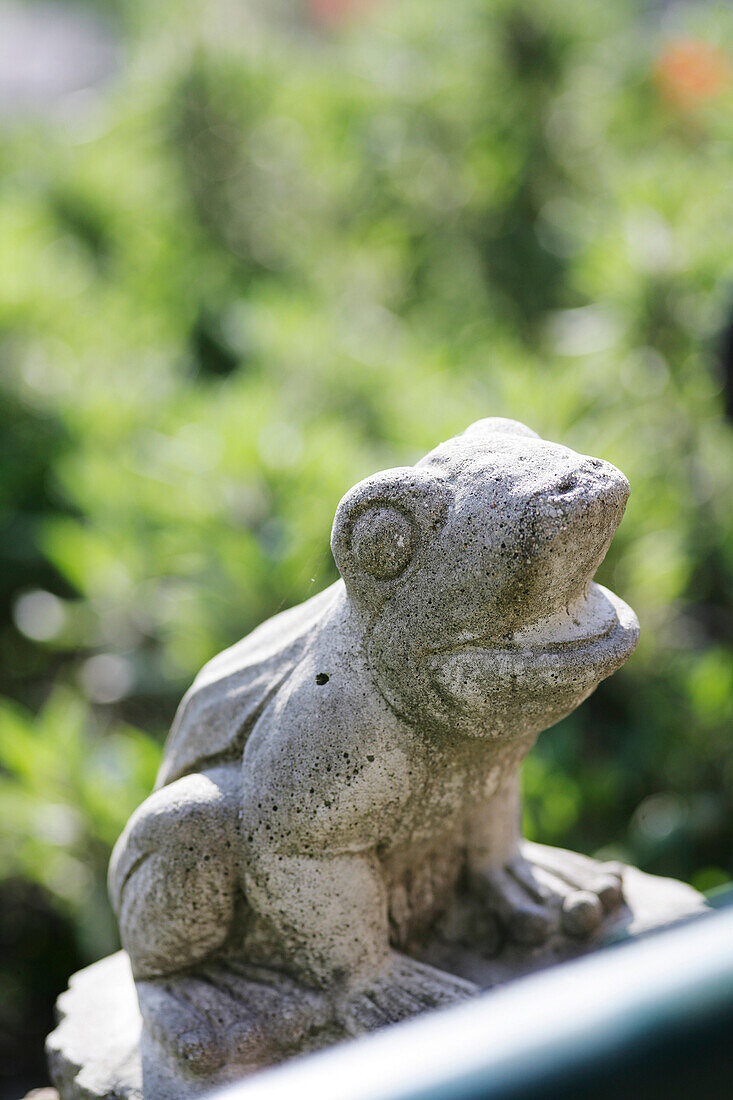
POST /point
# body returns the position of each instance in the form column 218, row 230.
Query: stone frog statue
column 333, row 782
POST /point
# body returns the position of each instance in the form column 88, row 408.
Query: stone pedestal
column 100, row 1050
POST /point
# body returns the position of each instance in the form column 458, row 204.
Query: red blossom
column 334, row 12
column 690, row 72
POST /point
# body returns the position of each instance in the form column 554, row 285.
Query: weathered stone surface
column 94, row 1052
column 338, row 803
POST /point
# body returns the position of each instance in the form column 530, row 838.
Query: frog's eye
column 383, row 525
column 382, row 542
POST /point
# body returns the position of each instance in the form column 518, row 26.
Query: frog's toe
column 582, row 913
column 182, row 1030
column 409, row 987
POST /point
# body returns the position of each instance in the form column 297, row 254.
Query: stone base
column 100, row 1050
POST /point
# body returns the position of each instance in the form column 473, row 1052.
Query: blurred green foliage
column 284, row 249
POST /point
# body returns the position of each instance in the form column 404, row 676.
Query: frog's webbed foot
column 408, row 988
column 226, row 1014
column 181, row 1028
column 543, row 891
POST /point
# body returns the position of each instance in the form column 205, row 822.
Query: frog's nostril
column 567, row 484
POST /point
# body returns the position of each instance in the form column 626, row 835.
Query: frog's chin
column 523, row 683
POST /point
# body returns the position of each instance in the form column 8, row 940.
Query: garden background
column 270, row 249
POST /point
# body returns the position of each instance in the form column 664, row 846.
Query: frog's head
column 472, row 574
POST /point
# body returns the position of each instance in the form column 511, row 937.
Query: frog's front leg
column 324, row 918
column 536, row 891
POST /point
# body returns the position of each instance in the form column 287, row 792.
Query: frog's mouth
column 582, row 624
column 538, row 674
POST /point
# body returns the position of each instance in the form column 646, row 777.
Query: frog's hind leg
column 174, row 877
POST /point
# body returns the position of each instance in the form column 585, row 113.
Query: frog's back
column 225, row 700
